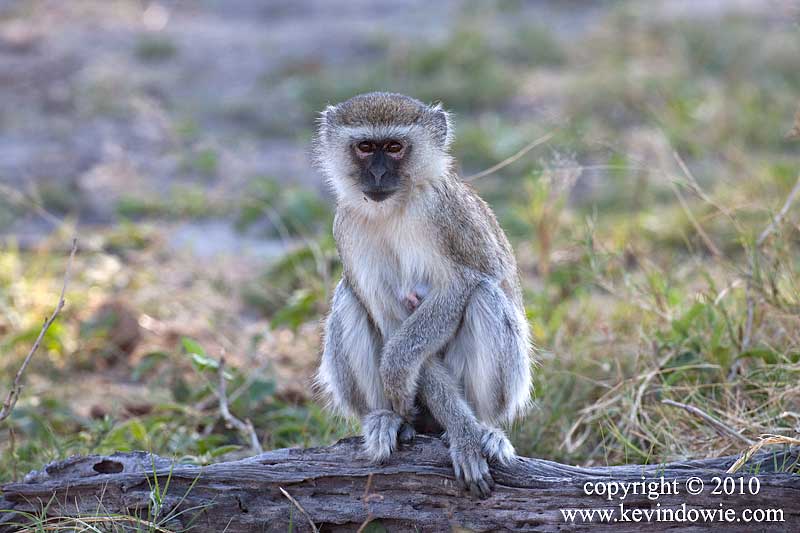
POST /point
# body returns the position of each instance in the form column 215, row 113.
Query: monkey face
column 364, row 147
column 379, row 164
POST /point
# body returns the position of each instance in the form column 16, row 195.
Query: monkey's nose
column 377, row 173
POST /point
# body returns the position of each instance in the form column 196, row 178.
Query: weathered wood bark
column 415, row 490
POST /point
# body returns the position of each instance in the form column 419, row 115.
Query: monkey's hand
column 399, row 385
column 383, row 430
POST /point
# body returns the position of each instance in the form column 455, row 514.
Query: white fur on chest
column 394, row 258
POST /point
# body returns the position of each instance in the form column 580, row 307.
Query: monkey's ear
column 324, row 120
column 328, row 110
column 442, row 125
column 325, row 115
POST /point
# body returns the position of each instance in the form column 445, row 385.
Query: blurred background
column 172, row 138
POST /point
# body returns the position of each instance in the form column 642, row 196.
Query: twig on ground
column 300, row 508
column 711, row 420
column 16, row 387
column 209, row 401
column 245, row 428
column 509, row 160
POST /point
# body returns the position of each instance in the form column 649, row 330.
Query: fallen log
column 338, row 490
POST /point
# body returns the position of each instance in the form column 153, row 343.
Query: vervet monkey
column 427, row 320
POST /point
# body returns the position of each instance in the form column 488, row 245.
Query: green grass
column 181, row 202
column 286, row 211
column 173, row 425
column 177, row 417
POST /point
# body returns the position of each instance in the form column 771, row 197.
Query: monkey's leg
column 466, row 436
column 349, row 374
column 489, row 356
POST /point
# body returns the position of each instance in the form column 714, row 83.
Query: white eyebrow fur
column 377, row 131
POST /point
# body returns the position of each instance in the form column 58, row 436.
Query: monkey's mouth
column 378, row 196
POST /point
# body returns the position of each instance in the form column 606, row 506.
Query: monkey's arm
column 348, row 337
column 423, row 334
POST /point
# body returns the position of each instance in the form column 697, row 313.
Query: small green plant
column 205, row 161
column 295, row 289
column 155, row 49
column 286, row 212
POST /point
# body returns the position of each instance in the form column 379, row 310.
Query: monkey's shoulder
column 468, row 229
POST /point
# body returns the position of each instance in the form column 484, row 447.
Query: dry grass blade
column 781, row 214
column 698, row 228
column 765, row 441
column 773, row 225
column 367, row 498
column 94, row 523
column 685, row 206
column 509, row 160
column 23, row 199
column 16, row 387
column 719, row 426
column 300, row 508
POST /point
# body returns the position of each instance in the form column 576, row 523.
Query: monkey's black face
column 379, row 165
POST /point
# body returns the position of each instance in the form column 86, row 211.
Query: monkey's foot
column 470, row 466
column 496, row 446
column 381, row 430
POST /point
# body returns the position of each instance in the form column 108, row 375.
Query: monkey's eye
column 366, row 147
column 394, row 147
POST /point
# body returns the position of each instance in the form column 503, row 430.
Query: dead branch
column 16, row 387
column 719, row 426
column 245, row 428
column 413, row 491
